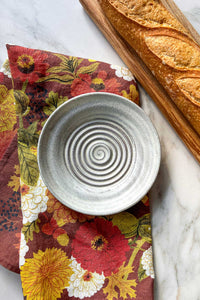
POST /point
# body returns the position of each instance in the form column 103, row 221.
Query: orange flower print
column 63, row 214
column 24, row 189
column 51, row 228
column 27, row 64
column 102, row 83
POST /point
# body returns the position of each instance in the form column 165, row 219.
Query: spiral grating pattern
column 99, row 153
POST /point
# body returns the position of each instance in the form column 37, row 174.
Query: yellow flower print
column 46, row 275
column 133, row 95
column 7, row 109
column 25, row 61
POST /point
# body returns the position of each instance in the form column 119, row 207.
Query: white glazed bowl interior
column 99, row 153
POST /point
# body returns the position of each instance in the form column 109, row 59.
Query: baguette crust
column 165, row 46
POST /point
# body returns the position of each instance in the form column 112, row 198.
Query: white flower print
column 6, row 68
column 84, row 283
column 122, row 72
column 23, row 250
column 147, row 262
column 34, row 202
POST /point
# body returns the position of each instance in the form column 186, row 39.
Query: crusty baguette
column 165, row 46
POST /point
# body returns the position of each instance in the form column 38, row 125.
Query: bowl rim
column 156, row 168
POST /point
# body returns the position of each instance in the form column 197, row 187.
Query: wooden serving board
column 144, row 75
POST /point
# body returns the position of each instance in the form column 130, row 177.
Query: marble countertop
column 63, row 26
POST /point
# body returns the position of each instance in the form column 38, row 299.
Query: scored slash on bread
column 165, row 46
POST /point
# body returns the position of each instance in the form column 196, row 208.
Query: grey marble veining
column 63, row 26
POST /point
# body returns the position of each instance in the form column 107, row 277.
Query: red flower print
column 85, row 84
column 100, row 247
column 52, row 228
column 27, row 64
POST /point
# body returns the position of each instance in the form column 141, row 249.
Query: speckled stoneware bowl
column 99, row 153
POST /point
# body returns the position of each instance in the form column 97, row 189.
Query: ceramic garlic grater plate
column 99, row 153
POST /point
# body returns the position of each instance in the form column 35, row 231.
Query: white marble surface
column 63, row 26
